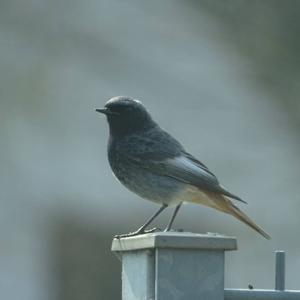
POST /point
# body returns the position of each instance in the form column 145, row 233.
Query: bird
column 154, row 165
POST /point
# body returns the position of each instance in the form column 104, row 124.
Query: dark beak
column 106, row 111
column 102, row 110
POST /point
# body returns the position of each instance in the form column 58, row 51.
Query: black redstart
column 152, row 164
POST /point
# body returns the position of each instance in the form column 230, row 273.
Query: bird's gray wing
column 182, row 167
column 186, row 168
column 160, row 153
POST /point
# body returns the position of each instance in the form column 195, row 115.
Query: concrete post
column 173, row 265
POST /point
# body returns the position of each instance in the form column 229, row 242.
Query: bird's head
column 126, row 115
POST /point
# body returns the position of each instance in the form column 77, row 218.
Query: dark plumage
column 152, row 164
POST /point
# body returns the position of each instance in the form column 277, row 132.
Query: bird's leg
column 173, row 217
column 142, row 230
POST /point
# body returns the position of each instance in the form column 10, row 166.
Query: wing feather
column 189, row 171
column 163, row 155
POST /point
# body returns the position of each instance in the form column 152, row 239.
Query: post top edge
column 176, row 240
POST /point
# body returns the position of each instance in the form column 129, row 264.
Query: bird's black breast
column 129, row 157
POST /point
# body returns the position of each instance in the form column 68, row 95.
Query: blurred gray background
column 221, row 76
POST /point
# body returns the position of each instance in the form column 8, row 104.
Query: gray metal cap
column 175, row 240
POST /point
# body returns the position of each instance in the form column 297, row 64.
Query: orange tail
column 223, row 204
column 236, row 212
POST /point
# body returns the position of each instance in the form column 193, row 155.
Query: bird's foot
column 152, row 230
column 134, row 233
column 173, row 230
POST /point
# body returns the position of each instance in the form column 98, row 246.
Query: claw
column 134, row 233
column 151, row 230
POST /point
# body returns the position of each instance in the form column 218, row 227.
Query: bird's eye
column 112, row 111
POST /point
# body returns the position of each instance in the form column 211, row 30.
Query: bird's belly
column 193, row 194
column 159, row 188
column 153, row 187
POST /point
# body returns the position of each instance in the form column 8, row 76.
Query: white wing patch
column 187, row 165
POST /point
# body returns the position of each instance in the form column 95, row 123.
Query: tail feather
column 236, row 212
column 226, row 193
column 221, row 203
